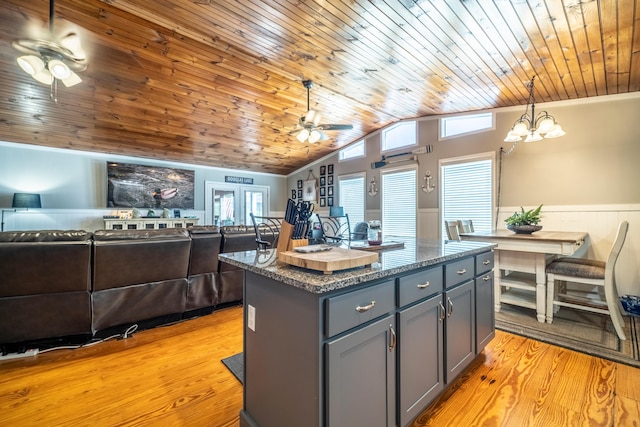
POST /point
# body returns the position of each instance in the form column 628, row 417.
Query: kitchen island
column 369, row 346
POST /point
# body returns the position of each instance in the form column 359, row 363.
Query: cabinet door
column 360, row 387
column 460, row 329
column 485, row 313
column 420, row 355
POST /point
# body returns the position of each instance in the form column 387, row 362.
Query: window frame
column 338, row 193
column 441, row 127
column 383, row 136
column 350, row 146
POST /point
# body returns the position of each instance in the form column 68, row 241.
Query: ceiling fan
column 309, row 127
column 49, row 59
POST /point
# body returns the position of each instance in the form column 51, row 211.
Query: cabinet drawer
column 459, row 271
column 484, row 263
column 416, row 286
column 355, row 308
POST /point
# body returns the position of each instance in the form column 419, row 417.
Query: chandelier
column 531, row 127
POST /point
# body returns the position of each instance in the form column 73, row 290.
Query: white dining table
column 521, row 261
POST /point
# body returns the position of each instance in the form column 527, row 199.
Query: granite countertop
column 414, row 255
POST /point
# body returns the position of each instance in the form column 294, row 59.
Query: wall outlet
column 251, row 318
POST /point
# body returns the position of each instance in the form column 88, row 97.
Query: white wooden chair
column 589, row 272
column 453, row 229
column 466, row 226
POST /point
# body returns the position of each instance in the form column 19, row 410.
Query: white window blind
column 351, row 196
column 467, row 192
column 399, row 203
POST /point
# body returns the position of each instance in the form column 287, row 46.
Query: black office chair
column 267, row 230
column 336, row 229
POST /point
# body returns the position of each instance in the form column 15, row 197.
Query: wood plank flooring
column 172, row 376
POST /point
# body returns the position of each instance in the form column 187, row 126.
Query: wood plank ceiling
column 218, row 82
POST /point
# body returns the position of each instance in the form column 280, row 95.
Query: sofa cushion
column 45, row 236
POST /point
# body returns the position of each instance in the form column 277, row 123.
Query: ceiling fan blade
column 336, row 127
column 72, row 42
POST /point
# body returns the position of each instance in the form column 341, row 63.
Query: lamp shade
column 26, row 200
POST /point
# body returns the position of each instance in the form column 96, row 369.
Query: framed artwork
column 330, row 201
column 323, row 203
column 330, row 180
column 299, row 194
column 322, row 181
column 323, row 170
column 309, row 191
column 330, row 191
column 322, row 191
column 299, row 184
column 330, row 169
column 293, row 194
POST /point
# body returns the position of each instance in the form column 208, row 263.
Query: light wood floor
column 172, row 376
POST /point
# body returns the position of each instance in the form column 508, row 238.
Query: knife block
column 285, row 243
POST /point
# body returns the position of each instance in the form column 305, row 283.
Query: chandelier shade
column 533, row 128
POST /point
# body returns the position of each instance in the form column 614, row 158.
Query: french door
column 231, row 204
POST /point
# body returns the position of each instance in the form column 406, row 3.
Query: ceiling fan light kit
column 532, row 128
column 309, row 128
column 50, row 60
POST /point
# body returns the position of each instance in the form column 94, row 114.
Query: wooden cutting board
column 329, row 261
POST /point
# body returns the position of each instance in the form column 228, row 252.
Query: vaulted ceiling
column 218, row 82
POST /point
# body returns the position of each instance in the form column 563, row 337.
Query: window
column 400, row 135
column 352, row 151
column 351, row 192
column 399, row 205
column 469, row 123
column 467, row 190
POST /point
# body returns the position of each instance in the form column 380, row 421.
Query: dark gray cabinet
column 361, row 376
column 460, row 335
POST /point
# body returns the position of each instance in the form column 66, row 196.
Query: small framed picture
column 330, row 191
column 322, row 181
column 330, row 180
column 330, row 201
column 309, row 194
column 293, row 194
column 300, row 184
column 299, row 194
column 330, row 169
column 323, row 170
column 323, row 203
column 322, row 191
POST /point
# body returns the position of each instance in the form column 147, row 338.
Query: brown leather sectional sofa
column 62, row 283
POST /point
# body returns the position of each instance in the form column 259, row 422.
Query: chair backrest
column 360, row 231
column 453, row 229
column 267, row 230
column 615, row 251
column 465, row 226
column 336, row 228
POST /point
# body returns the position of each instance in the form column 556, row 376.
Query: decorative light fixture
column 309, row 128
column 531, row 127
column 48, row 61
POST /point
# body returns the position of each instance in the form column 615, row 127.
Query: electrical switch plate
column 251, row 318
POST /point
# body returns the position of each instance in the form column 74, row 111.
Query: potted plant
column 524, row 222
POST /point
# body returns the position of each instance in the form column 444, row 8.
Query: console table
column 149, row 223
column 521, row 261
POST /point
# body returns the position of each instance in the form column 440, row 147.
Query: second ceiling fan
column 309, row 127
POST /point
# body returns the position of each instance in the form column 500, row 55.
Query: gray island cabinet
column 370, row 346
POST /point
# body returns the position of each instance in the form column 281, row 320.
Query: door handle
column 485, row 278
column 442, row 311
column 486, row 262
column 449, row 307
column 393, row 338
column 362, row 309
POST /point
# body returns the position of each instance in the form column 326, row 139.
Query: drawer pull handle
column 485, row 278
column 424, row 285
column 392, row 345
column 486, row 262
column 463, row 271
column 361, row 309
